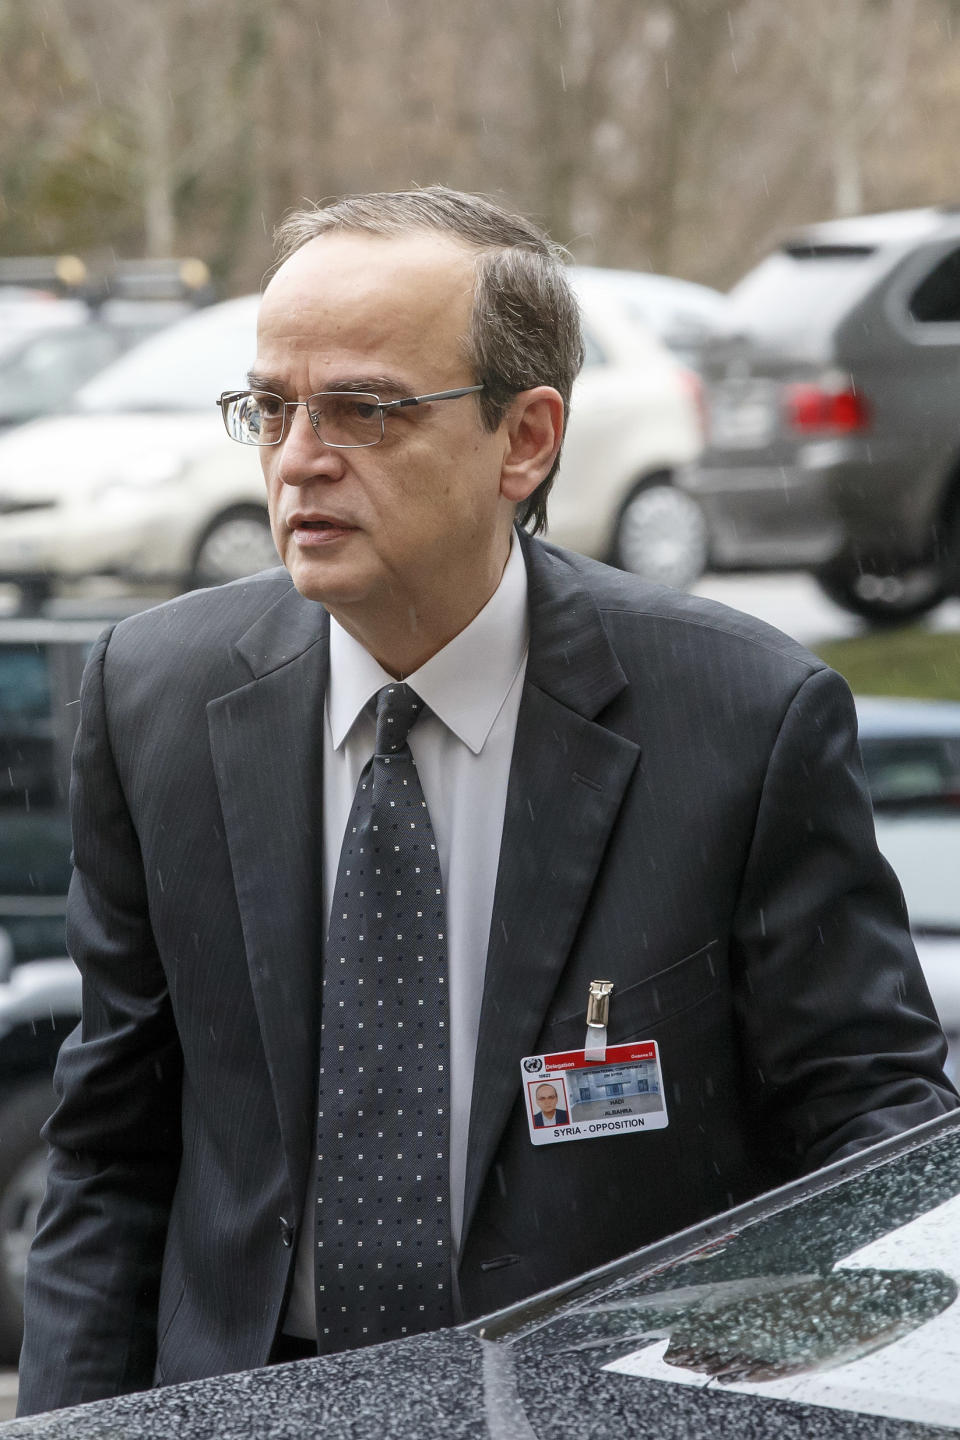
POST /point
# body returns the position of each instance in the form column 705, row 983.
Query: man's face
column 405, row 528
column 547, row 1100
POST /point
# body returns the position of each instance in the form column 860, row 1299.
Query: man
column 548, row 1114
column 603, row 779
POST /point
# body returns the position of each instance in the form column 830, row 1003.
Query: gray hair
column 525, row 329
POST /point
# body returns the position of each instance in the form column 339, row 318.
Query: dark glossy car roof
column 542, row 1368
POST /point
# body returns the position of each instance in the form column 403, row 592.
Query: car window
column 26, row 728
column 936, row 300
column 34, row 826
column 801, row 288
column 46, row 370
column 911, row 768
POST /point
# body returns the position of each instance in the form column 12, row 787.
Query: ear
column 534, row 430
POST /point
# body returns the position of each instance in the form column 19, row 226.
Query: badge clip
column 598, row 1014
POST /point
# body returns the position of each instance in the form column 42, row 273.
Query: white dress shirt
column 462, row 745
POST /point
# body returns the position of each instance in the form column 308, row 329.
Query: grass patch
column 911, row 661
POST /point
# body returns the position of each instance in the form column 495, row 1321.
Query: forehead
column 349, row 299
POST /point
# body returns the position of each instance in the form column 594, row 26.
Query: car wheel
column 235, row 544
column 661, row 535
column 23, row 1167
column 884, row 598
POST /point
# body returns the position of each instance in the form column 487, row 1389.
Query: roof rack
column 185, row 281
column 157, row 279
column 60, row 274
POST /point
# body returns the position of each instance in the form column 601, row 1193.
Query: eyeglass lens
column 339, row 419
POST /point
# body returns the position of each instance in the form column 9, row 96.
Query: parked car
column 155, row 494
column 46, row 293
column 41, row 661
column 827, row 1308
column 911, row 755
column 39, row 1006
column 910, row 748
column 40, row 292
column 685, row 316
column 24, row 313
column 40, row 373
column 834, row 437
column 911, row 751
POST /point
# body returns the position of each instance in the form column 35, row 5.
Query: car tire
column 235, row 544
column 889, row 598
column 661, row 535
column 23, row 1165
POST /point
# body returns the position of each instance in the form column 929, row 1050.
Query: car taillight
column 693, row 385
column 825, row 410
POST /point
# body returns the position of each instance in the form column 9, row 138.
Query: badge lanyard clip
column 598, row 1014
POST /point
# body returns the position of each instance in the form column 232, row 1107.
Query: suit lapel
column 567, row 780
column 267, row 744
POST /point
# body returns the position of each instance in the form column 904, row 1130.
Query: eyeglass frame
column 380, row 405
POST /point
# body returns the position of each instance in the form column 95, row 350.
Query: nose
column 302, row 455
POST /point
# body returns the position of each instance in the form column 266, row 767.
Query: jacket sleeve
column 842, row 1038
column 94, row 1269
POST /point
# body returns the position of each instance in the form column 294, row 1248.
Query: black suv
column 834, row 414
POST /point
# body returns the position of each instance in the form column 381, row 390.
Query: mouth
column 315, row 529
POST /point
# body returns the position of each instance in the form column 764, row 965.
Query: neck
column 405, row 634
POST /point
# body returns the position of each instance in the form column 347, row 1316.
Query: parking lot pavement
column 8, row 1394
column 794, row 603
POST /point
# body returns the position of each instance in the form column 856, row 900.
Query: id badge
column 569, row 1097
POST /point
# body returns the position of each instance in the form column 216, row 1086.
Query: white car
column 681, row 313
column 141, row 482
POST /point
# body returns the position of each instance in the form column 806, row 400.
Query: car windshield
column 45, row 370
column 798, row 293
column 846, row 1299
column 184, row 367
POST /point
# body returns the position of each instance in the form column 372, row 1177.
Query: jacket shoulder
column 636, row 613
column 205, row 623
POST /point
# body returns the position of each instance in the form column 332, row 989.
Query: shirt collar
column 465, row 684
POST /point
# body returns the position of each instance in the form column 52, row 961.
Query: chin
column 322, row 583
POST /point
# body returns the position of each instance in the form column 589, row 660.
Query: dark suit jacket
column 686, row 816
column 560, row 1118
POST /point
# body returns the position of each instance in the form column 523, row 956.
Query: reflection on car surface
column 833, row 443
column 841, row 1297
column 827, row 1308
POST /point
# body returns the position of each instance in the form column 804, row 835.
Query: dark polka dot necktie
column 383, row 1207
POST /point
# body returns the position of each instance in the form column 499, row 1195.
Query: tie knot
column 397, row 708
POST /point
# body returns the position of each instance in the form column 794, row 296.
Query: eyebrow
column 364, row 384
